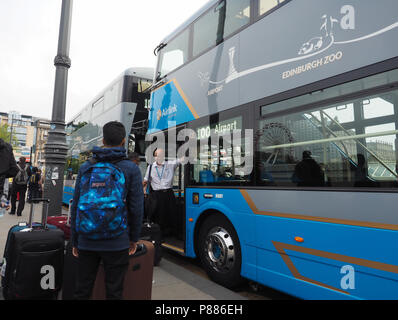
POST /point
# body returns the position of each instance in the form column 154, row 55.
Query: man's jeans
column 115, row 266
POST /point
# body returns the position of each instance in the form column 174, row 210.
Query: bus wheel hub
column 220, row 250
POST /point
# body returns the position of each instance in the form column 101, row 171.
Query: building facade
column 27, row 134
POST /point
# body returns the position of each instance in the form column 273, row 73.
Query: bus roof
column 196, row 15
column 139, row 72
column 146, row 73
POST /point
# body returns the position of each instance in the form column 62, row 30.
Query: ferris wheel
column 274, row 134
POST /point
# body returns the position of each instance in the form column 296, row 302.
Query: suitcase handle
column 44, row 217
column 141, row 250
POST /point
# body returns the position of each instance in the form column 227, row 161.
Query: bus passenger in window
column 161, row 192
column 308, row 173
column 361, row 174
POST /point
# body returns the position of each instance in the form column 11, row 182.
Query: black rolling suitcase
column 151, row 232
column 33, row 260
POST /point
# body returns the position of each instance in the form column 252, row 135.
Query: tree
column 5, row 135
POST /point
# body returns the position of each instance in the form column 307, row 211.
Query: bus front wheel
column 219, row 251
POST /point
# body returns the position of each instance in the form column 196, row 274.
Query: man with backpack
column 20, row 184
column 106, row 214
column 34, row 185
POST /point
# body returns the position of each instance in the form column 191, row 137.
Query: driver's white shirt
column 162, row 175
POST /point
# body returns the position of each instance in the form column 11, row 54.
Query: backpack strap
column 150, row 178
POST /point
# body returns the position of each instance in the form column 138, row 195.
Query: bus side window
column 348, row 144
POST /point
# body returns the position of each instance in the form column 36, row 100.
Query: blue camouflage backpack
column 101, row 210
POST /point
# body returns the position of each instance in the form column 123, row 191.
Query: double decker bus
column 313, row 85
column 126, row 100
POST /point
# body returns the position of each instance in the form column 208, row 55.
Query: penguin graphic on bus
column 316, row 43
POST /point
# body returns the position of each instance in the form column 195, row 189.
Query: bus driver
column 160, row 174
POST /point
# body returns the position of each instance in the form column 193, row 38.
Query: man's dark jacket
column 8, row 166
column 134, row 202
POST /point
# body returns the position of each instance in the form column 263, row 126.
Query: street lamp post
column 55, row 150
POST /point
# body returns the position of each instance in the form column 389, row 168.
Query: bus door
column 176, row 241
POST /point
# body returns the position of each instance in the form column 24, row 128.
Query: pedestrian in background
column 41, row 183
column 8, row 166
column 34, row 184
column 108, row 188
column 20, row 185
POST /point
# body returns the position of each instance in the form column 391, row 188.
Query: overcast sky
column 107, row 37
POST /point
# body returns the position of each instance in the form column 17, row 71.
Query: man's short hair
column 114, row 133
column 133, row 156
column 22, row 160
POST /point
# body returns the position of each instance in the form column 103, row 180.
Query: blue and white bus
column 316, row 81
column 125, row 99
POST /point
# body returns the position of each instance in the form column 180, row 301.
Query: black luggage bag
column 151, row 232
column 34, row 260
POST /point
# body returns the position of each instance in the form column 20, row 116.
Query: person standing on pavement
column 8, row 166
column 160, row 174
column 20, row 185
column 114, row 242
column 34, row 185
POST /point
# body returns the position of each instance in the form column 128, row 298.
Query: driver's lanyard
column 160, row 176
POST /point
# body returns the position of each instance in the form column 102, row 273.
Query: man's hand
column 75, row 252
column 133, row 248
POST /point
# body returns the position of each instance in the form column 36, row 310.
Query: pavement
column 170, row 280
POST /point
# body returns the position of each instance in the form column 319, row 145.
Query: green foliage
column 79, row 126
column 5, row 135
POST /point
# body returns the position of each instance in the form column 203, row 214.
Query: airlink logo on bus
column 171, row 110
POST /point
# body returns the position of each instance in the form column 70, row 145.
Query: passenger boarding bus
column 312, row 89
column 126, row 100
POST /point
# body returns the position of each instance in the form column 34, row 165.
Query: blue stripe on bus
column 68, row 195
column 321, row 266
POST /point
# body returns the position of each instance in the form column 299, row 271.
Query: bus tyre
column 219, row 251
